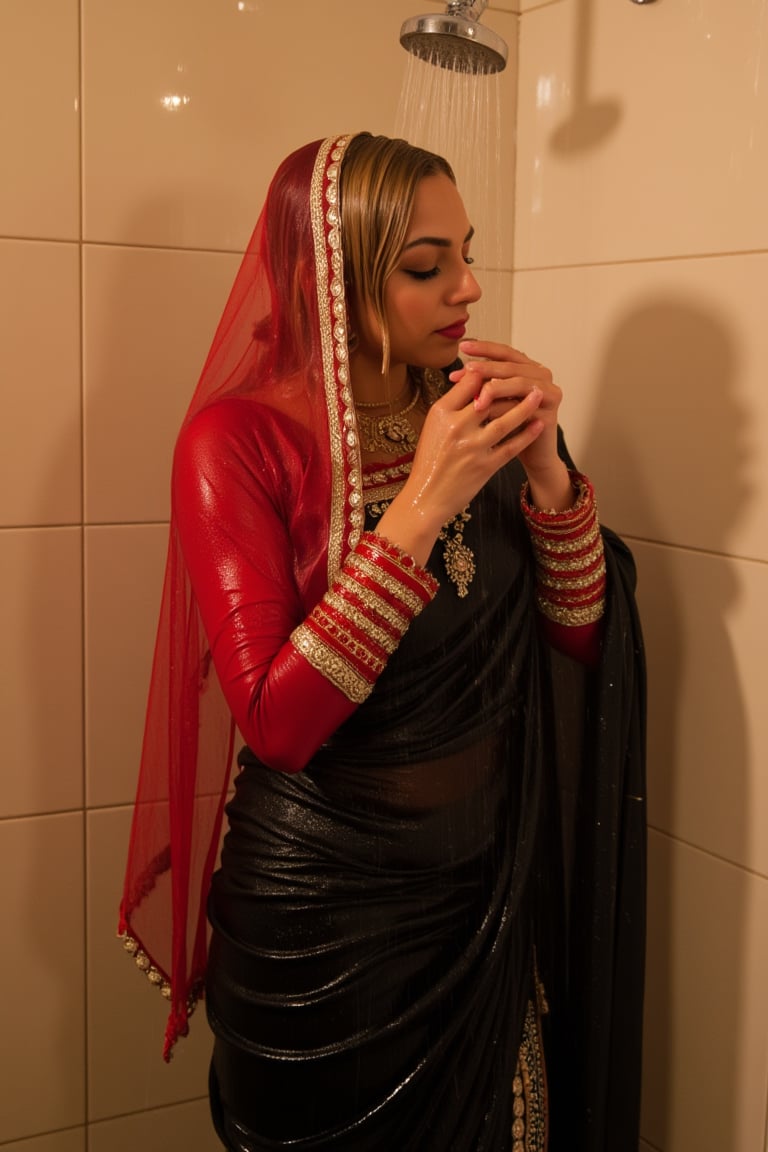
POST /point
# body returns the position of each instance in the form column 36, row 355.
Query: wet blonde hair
column 377, row 185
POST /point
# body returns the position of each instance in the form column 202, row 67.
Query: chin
column 437, row 358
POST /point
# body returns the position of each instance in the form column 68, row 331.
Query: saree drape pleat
column 376, row 917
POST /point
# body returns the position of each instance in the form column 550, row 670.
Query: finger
column 501, row 407
column 516, row 443
column 465, row 388
column 493, row 370
column 502, row 370
column 492, row 350
column 512, row 419
column 504, row 388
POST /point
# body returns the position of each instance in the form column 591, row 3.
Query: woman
column 405, row 883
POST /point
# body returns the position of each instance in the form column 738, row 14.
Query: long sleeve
column 570, row 572
column 290, row 677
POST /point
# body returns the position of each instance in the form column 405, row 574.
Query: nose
column 474, row 291
column 466, row 289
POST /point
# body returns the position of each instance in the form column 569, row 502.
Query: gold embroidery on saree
column 346, row 516
column 529, row 1088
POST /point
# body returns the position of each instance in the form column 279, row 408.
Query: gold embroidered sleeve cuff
column 358, row 624
column 570, row 562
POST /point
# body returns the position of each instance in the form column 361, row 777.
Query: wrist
column 551, row 489
column 409, row 527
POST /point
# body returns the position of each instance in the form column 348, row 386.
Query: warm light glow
column 544, row 92
column 174, row 101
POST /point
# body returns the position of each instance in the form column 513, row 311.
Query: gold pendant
column 396, row 432
column 393, row 431
column 459, row 563
column 458, row 558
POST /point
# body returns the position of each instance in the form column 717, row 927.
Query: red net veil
column 282, row 338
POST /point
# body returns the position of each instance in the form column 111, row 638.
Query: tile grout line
column 83, row 652
column 38, row 1136
column 83, row 524
column 514, row 270
column 689, row 548
column 745, row 868
column 105, row 1120
column 633, row 261
column 150, row 1110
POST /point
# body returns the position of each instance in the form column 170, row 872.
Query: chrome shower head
column 455, row 40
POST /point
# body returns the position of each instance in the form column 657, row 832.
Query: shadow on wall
column 592, row 119
column 667, row 449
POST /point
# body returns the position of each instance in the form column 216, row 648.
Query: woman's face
column 427, row 297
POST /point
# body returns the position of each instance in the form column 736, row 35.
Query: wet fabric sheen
column 372, row 954
column 374, row 917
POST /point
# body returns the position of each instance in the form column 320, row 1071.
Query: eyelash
column 432, row 271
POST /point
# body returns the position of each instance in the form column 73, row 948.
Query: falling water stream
column 457, row 113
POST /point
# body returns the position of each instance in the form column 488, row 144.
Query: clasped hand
column 502, row 405
column 504, row 377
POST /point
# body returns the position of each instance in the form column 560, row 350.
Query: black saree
column 375, row 918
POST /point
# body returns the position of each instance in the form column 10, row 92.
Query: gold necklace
column 389, row 403
column 392, row 432
column 458, row 557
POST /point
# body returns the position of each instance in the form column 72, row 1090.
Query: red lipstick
column 454, row 331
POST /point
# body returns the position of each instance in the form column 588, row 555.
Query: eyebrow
column 436, row 241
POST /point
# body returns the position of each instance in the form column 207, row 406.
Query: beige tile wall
column 136, row 142
column 135, row 156
column 641, row 256
column 65, row 1140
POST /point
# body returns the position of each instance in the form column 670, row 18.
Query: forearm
column 285, row 716
column 409, row 527
column 287, row 704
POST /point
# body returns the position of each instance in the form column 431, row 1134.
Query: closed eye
column 417, row 275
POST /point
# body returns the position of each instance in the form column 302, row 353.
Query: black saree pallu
column 370, row 965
